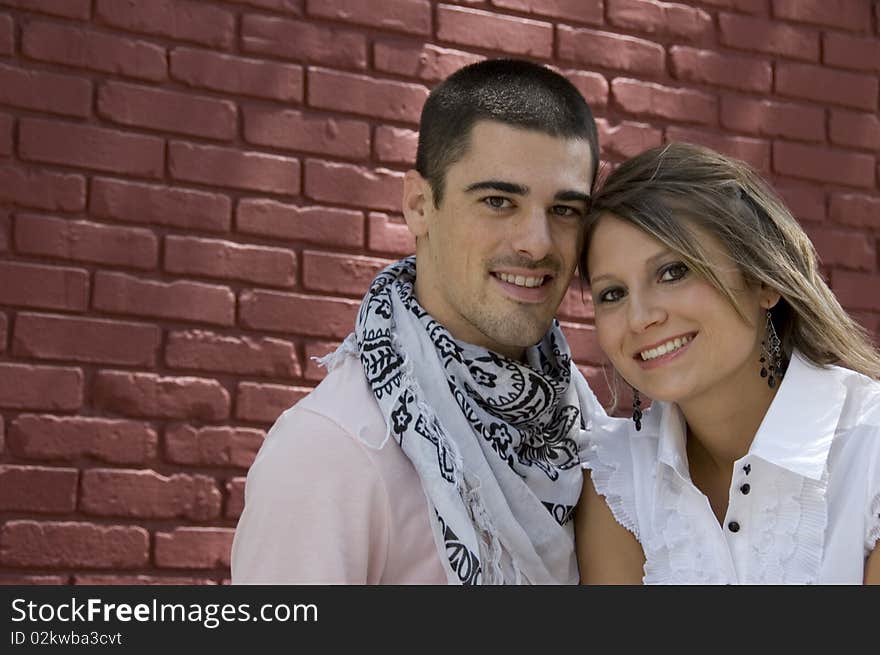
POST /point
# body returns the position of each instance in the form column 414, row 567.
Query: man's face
column 495, row 259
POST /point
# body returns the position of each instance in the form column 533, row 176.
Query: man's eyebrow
column 577, row 196
column 498, row 185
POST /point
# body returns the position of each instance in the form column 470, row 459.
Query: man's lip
column 638, row 354
column 525, row 272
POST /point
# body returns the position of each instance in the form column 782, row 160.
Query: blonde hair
column 672, row 191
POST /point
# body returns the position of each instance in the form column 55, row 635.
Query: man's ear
column 418, row 200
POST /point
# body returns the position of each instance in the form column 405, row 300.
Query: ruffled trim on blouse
column 790, row 523
column 680, row 552
column 873, row 534
column 609, row 459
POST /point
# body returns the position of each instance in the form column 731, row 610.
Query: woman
column 759, row 459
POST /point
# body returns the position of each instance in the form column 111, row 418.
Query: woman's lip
column 668, row 357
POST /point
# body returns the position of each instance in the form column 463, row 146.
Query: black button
column 747, row 468
column 733, row 526
column 746, row 488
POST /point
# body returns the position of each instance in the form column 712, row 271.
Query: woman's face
column 665, row 329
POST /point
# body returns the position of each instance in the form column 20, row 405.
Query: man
column 443, row 445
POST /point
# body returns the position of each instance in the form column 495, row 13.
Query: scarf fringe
column 333, row 359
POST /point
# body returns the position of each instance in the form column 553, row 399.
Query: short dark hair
column 512, row 91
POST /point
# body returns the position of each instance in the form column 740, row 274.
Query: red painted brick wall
column 195, row 195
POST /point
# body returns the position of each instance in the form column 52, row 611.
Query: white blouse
column 804, row 502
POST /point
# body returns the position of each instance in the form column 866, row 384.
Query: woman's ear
column 418, row 201
column 769, row 296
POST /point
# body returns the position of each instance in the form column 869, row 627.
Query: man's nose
column 531, row 234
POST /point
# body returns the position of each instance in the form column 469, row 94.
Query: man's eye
column 565, row 210
column 610, row 295
column 497, row 202
column 673, row 272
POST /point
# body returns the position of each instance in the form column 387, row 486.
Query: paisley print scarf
column 494, row 441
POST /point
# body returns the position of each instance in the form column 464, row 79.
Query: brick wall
column 194, row 195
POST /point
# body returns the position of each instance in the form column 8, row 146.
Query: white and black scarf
column 494, row 441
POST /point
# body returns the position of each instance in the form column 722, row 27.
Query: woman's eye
column 673, row 272
column 610, row 295
column 497, row 202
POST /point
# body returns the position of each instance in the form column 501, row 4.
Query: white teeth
column 521, row 280
column 662, row 349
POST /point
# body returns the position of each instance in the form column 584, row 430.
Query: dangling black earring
column 771, row 354
column 637, row 409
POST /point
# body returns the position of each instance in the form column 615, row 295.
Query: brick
column 168, row 111
column 175, row 19
column 823, row 164
column 86, row 241
column 234, row 168
column 666, row 18
column 91, row 147
column 250, row 77
column 856, row 210
column 424, row 61
column 184, row 300
column 577, row 303
column 359, row 94
column 768, row 36
column 38, row 489
column 340, row 274
column 857, row 53
column 303, row 41
column 51, row 287
column 23, row 386
column 400, row 15
column 68, row 438
column 68, row 8
column 234, row 498
column 33, row 580
column 294, row 7
column 42, row 189
column 7, row 124
column 647, row 99
column 4, row 330
column 849, row 128
column 627, row 139
column 149, row 495
column 485, row 29
column 67, row 544
column 848, row 15
column 7, row 35
column 745, row 6
column 71, row 46
column 149, row 395
column 824, row 85
column 843, row 248
column 263, row 403
column 317, row 349
column 5, row 230
column 708, row 67
column 615, row 51
column 44, row 91
column 323, row 225
column 346, row 183
column 856, row 290
column 593, row 87
column 80, row 339
column 212, row 446
column 207, row 351
column 770, row 118
column 298, row 314
column 755, row 152
column 395, row 145
column 290, row 129
column 223, row 259
column 806, row 203
column 583, row 343
column 390, row 235
column 137, row 580
column 133, row 202
column 574, row 10
column 194, row 548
